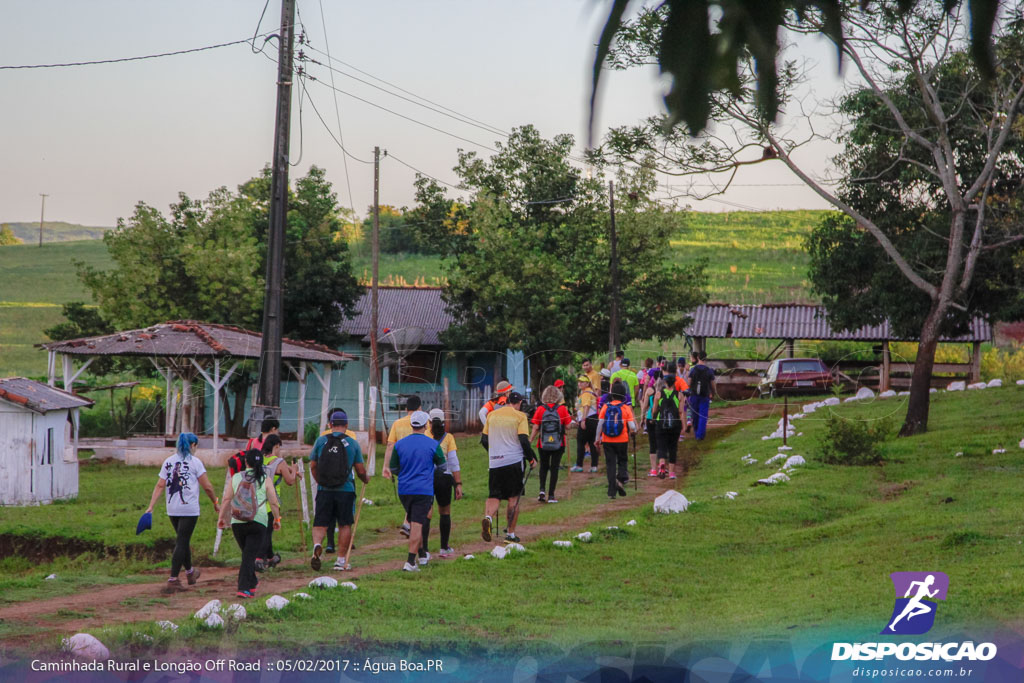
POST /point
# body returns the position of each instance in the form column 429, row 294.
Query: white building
column 38, row 442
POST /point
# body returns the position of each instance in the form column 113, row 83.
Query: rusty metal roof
column 402, row 307
column 192, row 339
column 39, row 397
column 799, row 321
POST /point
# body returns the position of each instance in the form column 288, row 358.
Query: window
column 46, row 457
column 420, row 367
column 803, row 366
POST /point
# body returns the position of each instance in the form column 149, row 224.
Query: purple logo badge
column 916, row 595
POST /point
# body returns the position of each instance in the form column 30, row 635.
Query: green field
column 55, row 231
column 801, row 559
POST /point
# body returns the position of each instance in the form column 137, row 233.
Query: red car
column 795, row 376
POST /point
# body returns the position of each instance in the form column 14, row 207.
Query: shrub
column 310, row 432
column 851, row 442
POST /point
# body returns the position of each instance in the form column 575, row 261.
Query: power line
column 302, row 84
column 337, row 111
column 129, row 59
column 389, row 155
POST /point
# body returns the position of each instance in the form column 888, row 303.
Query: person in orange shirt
column 614, row 427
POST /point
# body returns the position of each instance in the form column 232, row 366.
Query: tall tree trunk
column 916, row 421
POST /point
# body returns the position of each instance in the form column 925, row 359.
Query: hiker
column 643, row 375
column 616, row 364
column 702, row 380
column 329, row 544
column 586, row 416
column 332, row 462
column 268, row 427
column 447, row 480
column 181, row 475
column 593, row 375
column 550, row 422
column 248, row 505
column 628, row 377
column 668, row 412
column 647, row 423
column 506, row 440
column 413, row 461
column 499, row 399
column 606, row 389
column 277, row 470
column 400, row 429
column 615, row 425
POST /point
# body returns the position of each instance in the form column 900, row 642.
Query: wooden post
column 362, row 406
column 975, row 362
column 447, row 401
column 790, row 350
column 216, row 407
column 300, row 432
column 296, row 462
column 51, row 368
column 785, row 417
column 885, row 380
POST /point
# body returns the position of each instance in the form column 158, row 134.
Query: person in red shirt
column 550, row 422
column 614, row 427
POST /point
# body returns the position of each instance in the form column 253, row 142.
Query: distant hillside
column 55, row 231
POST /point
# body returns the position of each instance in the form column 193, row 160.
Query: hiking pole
column 633, row 438
column 522, row 493
column 298, row 513
column 355, row 525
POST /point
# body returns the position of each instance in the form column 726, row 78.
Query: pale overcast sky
column 98, row 139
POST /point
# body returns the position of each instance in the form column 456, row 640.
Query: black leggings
column 250, row 537
column 182, row 557
column 617, row 463
column 549, row 462
column 668, row 443
column 585, row 435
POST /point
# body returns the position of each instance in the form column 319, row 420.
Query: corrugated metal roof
column 799, row 321
column 399, row 308
column 192, row 339
column 39, row 397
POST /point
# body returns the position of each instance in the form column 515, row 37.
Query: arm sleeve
column 484, row 441
column 453, row 461
column 393, row 465
column 483, row 417
column 524, row 441
column 439, row 458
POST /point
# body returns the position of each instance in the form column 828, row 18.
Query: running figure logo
column 914, row 612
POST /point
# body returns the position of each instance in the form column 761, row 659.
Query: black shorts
column 334, row 507
column 444, row 487
column 505, row 482
column 417, row 507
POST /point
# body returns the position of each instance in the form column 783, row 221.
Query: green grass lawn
column 801, row 559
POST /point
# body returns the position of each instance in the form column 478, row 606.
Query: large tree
column 894, row 52
column 533, row 271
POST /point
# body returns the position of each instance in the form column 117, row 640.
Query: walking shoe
column 245, row 594
column 552, row 500
column 261, row 565
column 575, row 468
column 620, row 487
column 329, row 549
column 423, row 560
column 405, row 530
column 446, row 552
column 314, row 562
column 192, row 576
column 485, row 528
column 512, row 538
column 593, row 470
column 652, row 473
column 611, row 498
column 662, row 471
column 173, row 586
column 340, row 565
column 274, row 561
column 671, row 475
column 410, row 568
column 542, row 497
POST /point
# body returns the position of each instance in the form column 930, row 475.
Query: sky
column 99, row 139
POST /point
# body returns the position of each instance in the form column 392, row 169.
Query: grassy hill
column 754, row 257
column 55, row 231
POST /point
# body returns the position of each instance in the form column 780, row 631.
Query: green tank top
column 262, row 508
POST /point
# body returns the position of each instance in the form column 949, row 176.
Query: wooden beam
column 975, row 362
column 883, row 382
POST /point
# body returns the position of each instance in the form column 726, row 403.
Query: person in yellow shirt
column 400, row 428
column 506, row 438
column 592, row 374
column 586, row 418
column 447, row 479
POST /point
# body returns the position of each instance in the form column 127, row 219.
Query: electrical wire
column 337, row 111
column 255, row 34
column 120, row 60
column 302, row 84
column 389, row 155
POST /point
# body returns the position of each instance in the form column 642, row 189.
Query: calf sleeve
column 446, row 530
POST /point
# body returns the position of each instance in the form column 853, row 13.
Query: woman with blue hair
column 180, row 477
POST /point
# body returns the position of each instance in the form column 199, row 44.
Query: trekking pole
column 298, row 513
column 355, row 525
column 526, row 480
column 634, row 464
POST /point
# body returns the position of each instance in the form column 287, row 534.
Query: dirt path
column 146, row 601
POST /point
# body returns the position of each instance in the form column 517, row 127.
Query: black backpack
column 550, row 429
column 332, row 467
column 668, row 410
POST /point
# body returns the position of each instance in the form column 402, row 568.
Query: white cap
column 419, row 419
column 437, row 414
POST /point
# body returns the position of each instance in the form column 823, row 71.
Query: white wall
column 27, row 475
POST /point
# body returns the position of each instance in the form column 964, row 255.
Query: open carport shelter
column 185, row 350
column 791, row 322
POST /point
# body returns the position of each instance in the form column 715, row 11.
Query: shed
column 38, row 442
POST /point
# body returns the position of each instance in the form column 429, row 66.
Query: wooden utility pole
column 374, row 359
column 613, row 322
column 42, row 213
column 268, row 400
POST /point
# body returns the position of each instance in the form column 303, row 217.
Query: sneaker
column 245, row 594
column 314, row 562
column 485, row 528
column 329, row 549
column 575, row 468
column 512, row 538
column 652, row 473
column 671, row 475
column 611, row 498
column 276, row 560
column 340, row 565
column 662, row 471
column 405, row 530
column 410, row 568
column 552, row 500
column 542, row 497
column 261, row 565
column 446, row 552
column 620, row 487
column 173, row 586
column 423, row 560
column 192, row 576
column 593, row 470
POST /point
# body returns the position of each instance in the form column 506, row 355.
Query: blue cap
column 339, row 417
column 145, row 522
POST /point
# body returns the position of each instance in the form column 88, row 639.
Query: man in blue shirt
column 413, row 461
column 334, row 458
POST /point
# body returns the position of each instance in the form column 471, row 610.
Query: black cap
column 625, row 362
column 515, row 397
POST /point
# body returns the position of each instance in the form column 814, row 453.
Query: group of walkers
column 421, row 455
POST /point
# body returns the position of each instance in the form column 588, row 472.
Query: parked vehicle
column 796, row 376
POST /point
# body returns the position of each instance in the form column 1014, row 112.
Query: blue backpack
column 613, row 424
